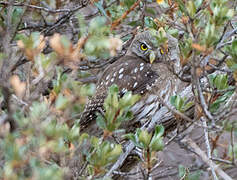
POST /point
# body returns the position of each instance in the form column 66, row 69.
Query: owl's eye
column 144, row 47
column 161, row 51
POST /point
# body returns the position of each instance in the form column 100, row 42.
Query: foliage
column 148, row 143
column 103, row 154
column 180, row 103
column 50, row 48
column 145, row 140
column 186, row 175
column 116, row 109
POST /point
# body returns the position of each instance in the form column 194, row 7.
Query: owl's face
column 146, row 47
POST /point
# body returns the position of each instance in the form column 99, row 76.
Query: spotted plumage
column 134, row 72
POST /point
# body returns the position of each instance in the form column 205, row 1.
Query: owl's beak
column 152, row 56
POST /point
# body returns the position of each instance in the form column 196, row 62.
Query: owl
column 144, row 71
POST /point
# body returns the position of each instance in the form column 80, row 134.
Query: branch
column 203, row 119
column 119, row 20
column 209, row 162
column 43, row 8
column 7, row 95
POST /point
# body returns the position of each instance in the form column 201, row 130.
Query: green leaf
column 151, row 11
column 221, row 81
column 17, row 12
column 101, row 8
column 182, row 172
column 100, row 121
column 156, row 143
column 191, row 8
column 116, row 151
column 194, row 175
column 234, row 46
column 182, row 7
column 198, row 3
column 134, row 138
column 95, row 141
column 131, row 137
column 145, row 138
column 82, row 24
column 220, row 100
column 83, row 137
column 149, row 22
column 61, row 102
column 97, row 24
column 128, row 3
column 117, row 109
column 178, row 103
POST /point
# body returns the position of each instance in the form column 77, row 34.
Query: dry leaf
column 55, row 43
column 4, row 129
column 199, row 47
column 70, row 53
column 213, row 62
column 199, row 72
column 115, row 45
column 18, row 86
column 52, row 96
column 184, row 19
column 30, row 53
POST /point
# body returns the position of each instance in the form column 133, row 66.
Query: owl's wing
column 130, row 74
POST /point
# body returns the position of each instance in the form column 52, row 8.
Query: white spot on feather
column 121, row 70
column 124, row 90
column 135, row 70
column 120, row 76
column 135, row 84
column 148, row 87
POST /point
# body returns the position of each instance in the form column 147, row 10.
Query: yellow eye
column 161, row 51
column 144, row 47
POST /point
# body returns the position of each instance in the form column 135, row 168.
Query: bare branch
column 209, row 162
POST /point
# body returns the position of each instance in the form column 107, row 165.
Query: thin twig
column 206, row 137
column 204, row 157
column 232, row 143
column 43, row 8
column 221, row 160
column 118, row 21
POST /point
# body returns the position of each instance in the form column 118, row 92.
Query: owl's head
column 146, row 46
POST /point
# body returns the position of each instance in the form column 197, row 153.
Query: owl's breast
column 166, row 86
